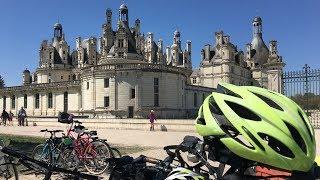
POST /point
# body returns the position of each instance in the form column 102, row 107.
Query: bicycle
column 50, row 169
column 199, row 152
column 50, row 151
column 129, row 168
column 86, row 148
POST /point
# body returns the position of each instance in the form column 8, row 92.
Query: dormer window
column 120, row 43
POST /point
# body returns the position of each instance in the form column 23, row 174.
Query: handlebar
column 50, row 131
column 76, row 121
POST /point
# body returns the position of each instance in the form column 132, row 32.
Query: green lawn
column 27, row 143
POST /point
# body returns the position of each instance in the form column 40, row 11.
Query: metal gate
column 304, row 88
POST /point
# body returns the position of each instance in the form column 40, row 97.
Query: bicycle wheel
column 70, row 159
column 42, row 153
column 95, row 157
column 8, row 169
column 115, row 152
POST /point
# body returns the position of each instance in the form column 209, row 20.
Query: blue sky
column 24, row 24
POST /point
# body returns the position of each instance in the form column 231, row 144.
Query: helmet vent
column 297, row 137
column 268, row 101
column 306, row 124
column 223, row 90
column 214, row 108
column 254, row 139
column 241, row 139
column 200, row 119
column 277, row 145
column 243, row 112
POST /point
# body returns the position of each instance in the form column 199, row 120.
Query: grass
column 27, row 143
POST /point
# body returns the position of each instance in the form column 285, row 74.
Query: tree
column 1, row 82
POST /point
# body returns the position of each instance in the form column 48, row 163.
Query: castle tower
column 109, row 16
column 257, row 26
column 160, row 52
column 26, row 77
column 149, row 49
column 137, row 27
column 168, row 55
column 261, row 51
column 123, row 14
column 57, row 34
column 176, row 38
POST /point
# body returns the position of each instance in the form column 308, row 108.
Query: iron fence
column 304, row 88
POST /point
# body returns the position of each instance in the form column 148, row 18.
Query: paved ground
column 155, row 139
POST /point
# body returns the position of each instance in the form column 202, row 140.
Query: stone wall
column 139, row 124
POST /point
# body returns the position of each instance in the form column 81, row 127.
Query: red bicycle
column 84, row 148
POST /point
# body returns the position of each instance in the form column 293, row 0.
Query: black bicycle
column 128, row 168
column 50, row 169
column 208, row 158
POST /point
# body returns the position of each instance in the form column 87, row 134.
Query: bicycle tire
column 47, row 158
column 70, row 159
column 115, row 152
column 91, row 160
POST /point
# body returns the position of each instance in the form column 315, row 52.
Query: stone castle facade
column 126, row 73
column 258, row 65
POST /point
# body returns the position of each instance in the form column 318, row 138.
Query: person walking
column 152, row 118
column 10, row 119
column 21, row 116
column 4, row 117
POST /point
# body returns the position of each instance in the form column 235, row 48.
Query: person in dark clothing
column 4, row 117
column 10, row 119
column 21, row 116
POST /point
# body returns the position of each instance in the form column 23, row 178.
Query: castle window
column 50, row 100
column 106, row 82
column 64, row 52
column 4, row 102
column 133, row 93
column 156, row 91
column 61, row 77
column 120, row 43
column 121, row 54
column 13, row 102
column 194, row 80
column 65, row 101
column 195, row 100
column 51, row 55
column 106, row 101
column 37, row 102
column 87, row 85
column 25, row 101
